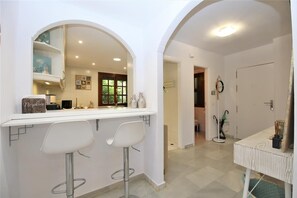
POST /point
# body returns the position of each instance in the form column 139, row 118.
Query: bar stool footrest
column 113, row 176
column 81, row 180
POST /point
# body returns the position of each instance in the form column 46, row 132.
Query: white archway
column 91, row 24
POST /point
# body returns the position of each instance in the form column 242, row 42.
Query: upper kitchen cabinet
column 48, row 57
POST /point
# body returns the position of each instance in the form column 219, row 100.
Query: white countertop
column 75, row 114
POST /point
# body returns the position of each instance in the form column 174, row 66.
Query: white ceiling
column 259, row 21
column 98, row 47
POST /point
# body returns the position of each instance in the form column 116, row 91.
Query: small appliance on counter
column 66, row 104
column 52, row 107
column 50, row 99
column 51, row 102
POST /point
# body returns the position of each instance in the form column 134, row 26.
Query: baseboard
column 189, row 146
column 120, row 183
column 157, row 187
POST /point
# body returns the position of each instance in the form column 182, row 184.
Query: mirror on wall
column 69, row 61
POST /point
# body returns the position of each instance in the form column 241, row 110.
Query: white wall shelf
column 45, row 47
column 54, row 51
column 40, row 77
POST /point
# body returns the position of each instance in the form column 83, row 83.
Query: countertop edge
column 46, row 118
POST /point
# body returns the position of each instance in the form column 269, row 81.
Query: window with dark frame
column 199, row 90
column 112, row 89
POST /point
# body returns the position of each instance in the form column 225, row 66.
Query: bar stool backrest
column 67, row 137
column 128, row 134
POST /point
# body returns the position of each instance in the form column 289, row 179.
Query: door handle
column 270, row 103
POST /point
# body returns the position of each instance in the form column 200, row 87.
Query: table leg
column 288, row 190
column 246, row 183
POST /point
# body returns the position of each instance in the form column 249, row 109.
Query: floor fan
column 219, row 89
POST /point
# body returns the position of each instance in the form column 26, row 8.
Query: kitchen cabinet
column 48, row 58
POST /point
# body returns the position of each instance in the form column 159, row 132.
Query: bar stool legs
column 69, row 175
column 69, row 179
column 126, row 174
column 126, row 170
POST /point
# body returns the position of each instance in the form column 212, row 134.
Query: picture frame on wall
column 83, row 82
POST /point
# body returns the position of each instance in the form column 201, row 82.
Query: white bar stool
column 128, row 134
column 67, row 137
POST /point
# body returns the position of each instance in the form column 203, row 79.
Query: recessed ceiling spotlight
column 117, row 59
column 80, row 42
column 93, row 64
column 125, row 67
column 47, row 83
column 224, row 31
column 76, row 57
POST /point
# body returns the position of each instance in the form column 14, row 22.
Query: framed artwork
column 83, row 82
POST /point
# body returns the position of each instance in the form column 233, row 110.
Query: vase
column 134, row 101
column 141, row 101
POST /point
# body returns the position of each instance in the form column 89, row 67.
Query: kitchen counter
column 75, row 114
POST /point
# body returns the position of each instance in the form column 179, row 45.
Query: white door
column 255, row 99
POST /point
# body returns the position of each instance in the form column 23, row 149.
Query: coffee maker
column 50, row 100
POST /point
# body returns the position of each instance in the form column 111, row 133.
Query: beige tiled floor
column 203, row 171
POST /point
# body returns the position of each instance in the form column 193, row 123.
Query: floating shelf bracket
column 146, row 119
column 97, row 124
column 16, row 136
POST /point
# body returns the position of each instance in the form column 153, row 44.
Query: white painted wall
column 278, row 52
column 156, row 34
column 171, row 101
column 9, row 171
column 215, row 66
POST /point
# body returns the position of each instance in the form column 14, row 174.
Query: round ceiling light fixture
column 224, row 31
column 117, row 59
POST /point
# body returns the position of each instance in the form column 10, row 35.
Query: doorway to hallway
column 199, row 104
column 170, row 97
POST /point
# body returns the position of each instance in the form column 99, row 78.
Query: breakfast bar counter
column 76, row 114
